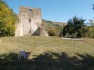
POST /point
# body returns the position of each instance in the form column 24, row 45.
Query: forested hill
column 53, row 28
column 52, row 23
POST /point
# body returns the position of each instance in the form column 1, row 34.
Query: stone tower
column 29, row 22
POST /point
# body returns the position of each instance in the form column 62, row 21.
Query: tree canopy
column 7, row 20
column 75, row 28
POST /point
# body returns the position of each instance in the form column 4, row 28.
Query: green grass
column 38, row 45
column 74, row 55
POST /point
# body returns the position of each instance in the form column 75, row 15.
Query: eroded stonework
column 29, row 22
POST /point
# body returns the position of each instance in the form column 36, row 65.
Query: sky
column 57, row 10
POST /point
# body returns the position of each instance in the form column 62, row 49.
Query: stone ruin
column 30, row 22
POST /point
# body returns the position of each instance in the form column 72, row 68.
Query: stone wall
column 29, row 20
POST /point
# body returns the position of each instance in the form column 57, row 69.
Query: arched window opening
column 30, row 10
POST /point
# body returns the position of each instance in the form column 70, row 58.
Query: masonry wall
column 29, row 20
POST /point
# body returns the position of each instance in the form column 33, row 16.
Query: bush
column 90, row 33
column 51, row 31
column 52, row 28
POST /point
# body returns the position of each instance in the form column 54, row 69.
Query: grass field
column 38, row 45
column 47, row 53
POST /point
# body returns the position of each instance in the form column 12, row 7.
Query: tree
column 7, row 20
column 93, row 6
column 90, row 32
column 75, row 28
column 90, row 28
column 91, row 22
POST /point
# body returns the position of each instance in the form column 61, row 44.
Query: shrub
column 90, row 33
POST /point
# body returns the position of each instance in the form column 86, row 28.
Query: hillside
column 53, row 28
column 51, row 23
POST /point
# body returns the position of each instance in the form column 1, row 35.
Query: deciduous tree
column 7, row 20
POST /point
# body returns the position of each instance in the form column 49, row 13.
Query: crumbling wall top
column 26, row 9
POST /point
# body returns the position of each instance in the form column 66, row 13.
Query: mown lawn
column 47, row 53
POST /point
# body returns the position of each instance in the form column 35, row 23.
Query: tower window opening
column 30, row 10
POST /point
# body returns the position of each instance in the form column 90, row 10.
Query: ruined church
column 29, row 22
